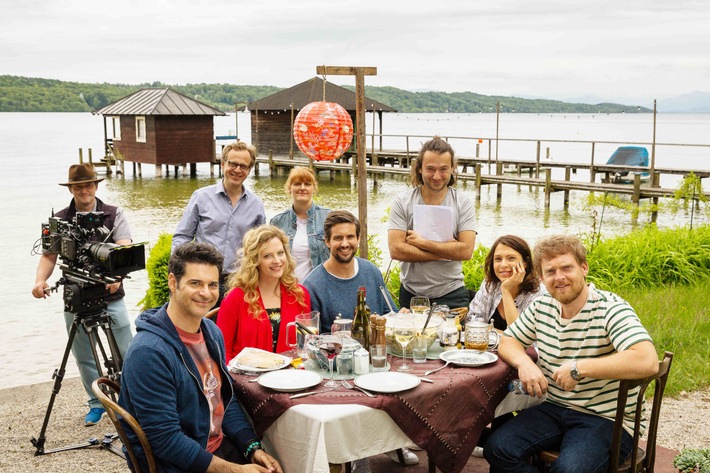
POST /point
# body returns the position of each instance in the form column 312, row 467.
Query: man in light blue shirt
column 222, row 213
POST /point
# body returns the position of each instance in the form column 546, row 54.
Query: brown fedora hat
column 81, row 174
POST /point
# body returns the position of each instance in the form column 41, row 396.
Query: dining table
column 444, row 417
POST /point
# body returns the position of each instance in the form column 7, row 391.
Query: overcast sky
column 627, row 51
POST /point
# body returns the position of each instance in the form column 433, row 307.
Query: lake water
column 37, row 149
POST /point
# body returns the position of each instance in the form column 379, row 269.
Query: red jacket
column 241, row 329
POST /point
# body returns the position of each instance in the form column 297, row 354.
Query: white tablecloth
column 306, row 437
column 309, row 436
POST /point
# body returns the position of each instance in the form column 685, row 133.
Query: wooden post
column 497, row 127
column 81, row 155
column 655, row 182
column 374, row 155
column 653, row 144
column 568, row 174
column 290, row 151
column 592, row 172
column 548, row 187
column 636, row 197
column 272, row 168
column 359, row 73
column 478, row 182
column 91, row 158
column 408, row 160
column 106, row 137
column 379, row 117
column 499, row 187
column 537, row 161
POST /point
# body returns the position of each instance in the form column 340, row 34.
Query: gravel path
column 685, row 422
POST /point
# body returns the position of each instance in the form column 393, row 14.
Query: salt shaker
column 361, row 361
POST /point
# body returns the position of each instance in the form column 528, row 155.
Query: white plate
column 235, row 366
column 289, row 381
column 469, row 357
column 387, row 381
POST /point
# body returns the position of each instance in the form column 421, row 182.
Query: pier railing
column 553, row 165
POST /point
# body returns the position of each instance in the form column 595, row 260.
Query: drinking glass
column 330, row 345
column 342, row 327
column 404, row 330
column 419, row 304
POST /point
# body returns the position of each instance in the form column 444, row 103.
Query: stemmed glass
column 330, row 346
column 419, row 304
column 404, row 330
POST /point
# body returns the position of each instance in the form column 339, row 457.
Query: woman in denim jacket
column 303, row 222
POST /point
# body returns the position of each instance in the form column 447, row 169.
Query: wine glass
column 404, row 330
column 330, row 345
column 419, row 304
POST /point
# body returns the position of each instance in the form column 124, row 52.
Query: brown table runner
column 445, row 418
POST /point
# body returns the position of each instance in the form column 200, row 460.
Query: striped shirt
column 605, row 325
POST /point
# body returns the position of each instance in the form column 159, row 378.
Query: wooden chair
column 212, row 314
column 639, row 460
column 105, row 389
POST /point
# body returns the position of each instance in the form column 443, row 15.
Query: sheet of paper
column 434, row 222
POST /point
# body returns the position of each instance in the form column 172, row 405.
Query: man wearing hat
column 82, row 184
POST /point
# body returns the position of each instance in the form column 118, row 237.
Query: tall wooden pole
column 359, row 73
column 653, row 144
column 497, row 127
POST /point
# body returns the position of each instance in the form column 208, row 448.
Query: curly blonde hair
column 247, row 276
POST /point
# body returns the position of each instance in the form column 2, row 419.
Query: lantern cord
column 325, row 79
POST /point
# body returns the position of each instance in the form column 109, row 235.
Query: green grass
column 677, row 318
column 651, row 258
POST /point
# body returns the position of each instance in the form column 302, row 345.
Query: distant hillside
column 24, row 94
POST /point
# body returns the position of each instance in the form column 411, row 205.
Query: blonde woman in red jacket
column 264, row 294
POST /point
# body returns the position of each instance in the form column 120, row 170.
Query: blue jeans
column 81, row 348
column 582, row 439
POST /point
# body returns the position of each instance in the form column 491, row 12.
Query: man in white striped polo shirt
column 587, row 340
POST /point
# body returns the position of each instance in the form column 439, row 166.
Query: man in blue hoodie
column 176, row 384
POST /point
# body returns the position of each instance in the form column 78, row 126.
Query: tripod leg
column 58, row 378
column 115, row 361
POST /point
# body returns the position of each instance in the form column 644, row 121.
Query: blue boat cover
column 629, row 156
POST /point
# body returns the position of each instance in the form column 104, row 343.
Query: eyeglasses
column 235, row 165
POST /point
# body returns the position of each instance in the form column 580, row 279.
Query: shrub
column 693, row 460
column 157, row 266
column 651, row 258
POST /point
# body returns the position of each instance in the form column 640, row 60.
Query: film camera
column 88, row 262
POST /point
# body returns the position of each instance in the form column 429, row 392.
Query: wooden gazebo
column 160, row 127
column 272, row 117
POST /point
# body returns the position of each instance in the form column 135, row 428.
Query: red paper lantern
column 323, row 130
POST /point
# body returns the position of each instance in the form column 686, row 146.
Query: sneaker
column 94, row 416
column 410, row 458
column 477, row 452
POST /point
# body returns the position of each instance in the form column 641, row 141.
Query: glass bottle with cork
column 361, row 320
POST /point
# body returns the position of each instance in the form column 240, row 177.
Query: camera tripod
column 90, row 320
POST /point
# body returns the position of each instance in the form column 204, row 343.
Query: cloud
column 543, row 48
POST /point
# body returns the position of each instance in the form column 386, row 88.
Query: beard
column 343, row 259
column 570, row 294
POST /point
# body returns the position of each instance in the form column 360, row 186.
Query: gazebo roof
column 157, row 102
column 311, row 90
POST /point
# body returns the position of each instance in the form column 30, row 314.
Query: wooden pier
column 527, row 173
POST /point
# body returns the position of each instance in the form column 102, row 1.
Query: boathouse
column 272, row 117
column 161, row 127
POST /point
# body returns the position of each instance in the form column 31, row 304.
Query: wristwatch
column 574, row 373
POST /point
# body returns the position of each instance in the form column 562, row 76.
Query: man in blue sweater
column 333, row 285
column 176, row 384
